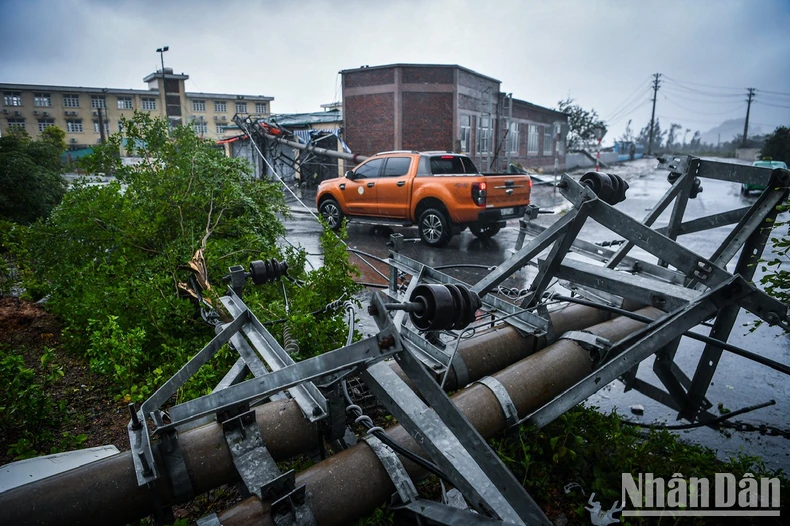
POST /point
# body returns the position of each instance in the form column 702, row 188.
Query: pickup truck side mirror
column 351, row 175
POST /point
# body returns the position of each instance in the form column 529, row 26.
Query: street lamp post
column 161, row 52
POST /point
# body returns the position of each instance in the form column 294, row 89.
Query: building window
column 42, row 100
column 560, row 141
column 219, row 106
column 201, row 129
column 98, row 101
column 484, row 135
column 149, row 104
column 466, row 133
column 43, row 124
column 124, row 103
column 512, row 138
column 220, row 129
column 16, row 124
column 548, row 140
column 74, row 126
column 106, row 127
column 241, row 107
column 198, row 105
column 260, row 107
column 532, row 140
column 71, row 101
column 12, row 98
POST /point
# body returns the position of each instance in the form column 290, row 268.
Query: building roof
column 122, row 91
column 305, row 119
column 196, row 94
column 401, row 65
column 80, row 89
column 541, row 108
column 168, row 75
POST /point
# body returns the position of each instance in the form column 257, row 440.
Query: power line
column 774, row 105
column 627, row 109
column 676, row 103
column 628, row 113
column 625, row 101
column 701, row 84
column 774, row 92
column 685, row 96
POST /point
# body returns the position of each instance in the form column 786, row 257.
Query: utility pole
column 656, row 85
column 748, row 108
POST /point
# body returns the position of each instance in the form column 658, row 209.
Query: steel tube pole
column 91, row 494
column 353, row 483
column 353, row 157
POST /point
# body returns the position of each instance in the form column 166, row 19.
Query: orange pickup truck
column 442, row 193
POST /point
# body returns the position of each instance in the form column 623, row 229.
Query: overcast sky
column 601, row 53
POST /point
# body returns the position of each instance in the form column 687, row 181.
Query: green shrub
column 110, row 257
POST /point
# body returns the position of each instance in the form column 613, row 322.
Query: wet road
column 737, row 382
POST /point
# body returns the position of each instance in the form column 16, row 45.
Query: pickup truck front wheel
column 484, row 230
column 435, row 228
column 331, row 213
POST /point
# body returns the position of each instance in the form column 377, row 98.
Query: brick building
column 448, row 107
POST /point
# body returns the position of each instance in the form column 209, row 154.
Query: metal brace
column 508, row 407
column 170, row 453
column 397, row 473
column 253, row 461
column 594, row 344
column 293, row 509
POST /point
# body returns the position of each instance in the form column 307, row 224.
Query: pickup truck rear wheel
column 435, row 228
column 484, row 230
column 332, row 214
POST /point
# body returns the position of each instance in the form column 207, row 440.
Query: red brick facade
column 369, row 123
column 435, row 107
column 427, row 121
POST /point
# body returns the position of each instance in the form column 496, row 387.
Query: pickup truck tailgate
column 505, row 191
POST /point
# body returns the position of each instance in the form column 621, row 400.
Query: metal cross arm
column 632, row 350
column 144, row 462
column 307, row 396
column 523, row 256
column 688, row 262
column 344, row 359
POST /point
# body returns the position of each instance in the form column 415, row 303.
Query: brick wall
column 427, row 121
column 436, row 75
column 369, row 77
column 369, row 125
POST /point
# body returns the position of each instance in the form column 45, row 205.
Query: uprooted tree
column 111, row 257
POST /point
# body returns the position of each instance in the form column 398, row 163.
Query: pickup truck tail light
column 479, row 193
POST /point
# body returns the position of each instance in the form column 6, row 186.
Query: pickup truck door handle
column 401, row 183
column 371, row 185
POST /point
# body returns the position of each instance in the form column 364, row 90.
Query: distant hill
column 729, row 129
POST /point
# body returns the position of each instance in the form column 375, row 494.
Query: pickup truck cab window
column 452, row 164
column 369, row 170
column 397, row 166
